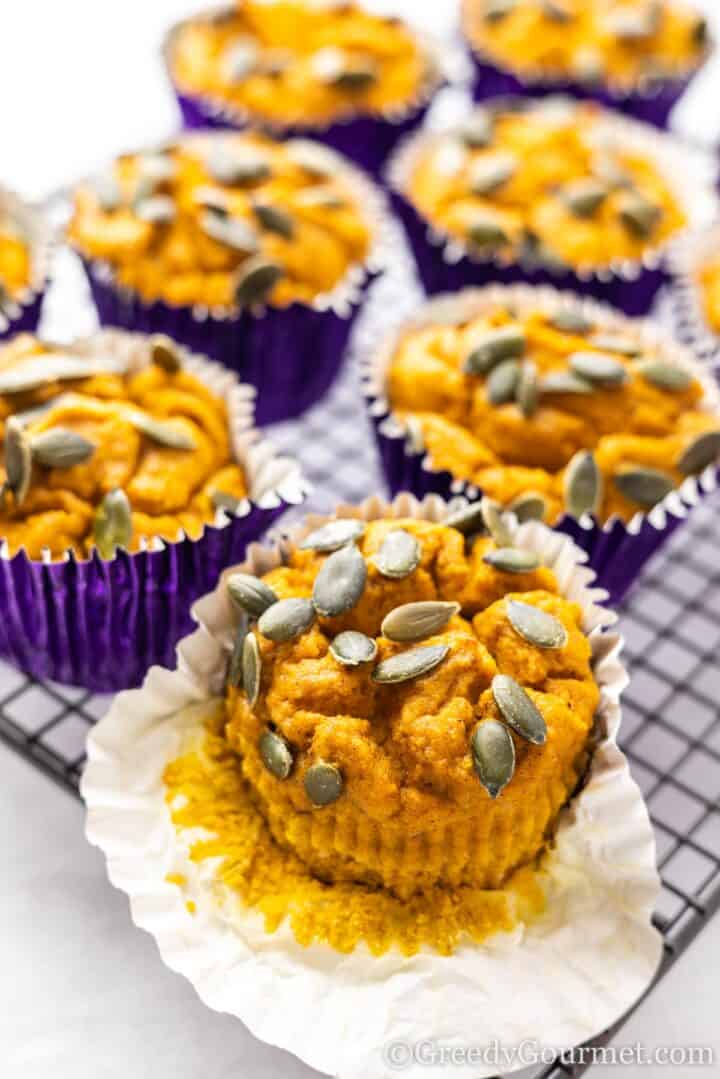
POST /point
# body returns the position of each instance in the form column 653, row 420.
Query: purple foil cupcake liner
column 22, row 315
column 101, row 624
column 367, row 139
column 292, row 354
column 445, row 265
column 616, row 551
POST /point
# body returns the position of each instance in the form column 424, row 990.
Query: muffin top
column 300, row 63
column 624, row 43
column 225, row 220
column 108, row 443
column 553, row 182
column 15, row 260
column 409, row 670
column 543, row 398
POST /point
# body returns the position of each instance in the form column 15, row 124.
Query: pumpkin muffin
column 639, row 54
column 235, row 243
column 411, row 702
column 24, row 264
column 298, row 65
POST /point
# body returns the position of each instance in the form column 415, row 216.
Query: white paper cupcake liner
column 687, row 305
column 561, row 979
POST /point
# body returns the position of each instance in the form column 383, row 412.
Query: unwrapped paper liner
column 561, row 979
column 22, row 313
column 100, row 623
column 445, row 264
column 616, row 551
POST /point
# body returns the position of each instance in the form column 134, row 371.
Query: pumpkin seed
column 275, row 754
column 512, row 560
column 164, row 353
column 493, row 755
column 334, row 67
column 256, row 279
column 570, row 320
column 585, row 197
column 411, row 664
column 239, row 60
column 582, row 485
column 646, row 486
column 492, row 516
column 221, row 500
column 530, row 506
column 596, row 367
column 622, row 346
column 107, row 192
column 286, row 619
column 702, row 451
column 486, row 232
column 527, row 391
column 467, row 520
column 564, row 382
column 55, row 367
column 496, row 10
column 477, row 131
column 630, row 25
column 323, row 783
column 502, row 382
column 211, row 198
column 666, row 376
column 352, row 648
column 638, row 215
column 60, row 448
column 113, row 523
column 251, row 669
column 323, row 197
column 536, row 626
column 340, row 582
column 235, row 674
column 250, row 593
column 18, row 459
column 399, row 555
column 415, row 621
column 505, row 343
column 556, row 12
column 333, row 535
column 588, row 65
column 488, row 174
column 165, row 434
column 312, row 158
column 237, row 166
column 157, row 169
column 518, row 709
column 274, row 219
column 231, row 232
column 157, row 210
column 700, row 32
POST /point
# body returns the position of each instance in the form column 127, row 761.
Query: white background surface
column 83, row 995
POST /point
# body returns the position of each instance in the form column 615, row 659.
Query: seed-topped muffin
column 708, row 279
column 411, row 701
column 549, row 406
column 25, row 248
column 15, row 261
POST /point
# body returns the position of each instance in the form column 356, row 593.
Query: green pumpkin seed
column 334, row 67
column 489, row 174
column 113, row 523
column 646, row 486
column 632, row 25
column 564, row 382
column 250, row 594
column 497, row 10
column 286, row 619
column 276, row 755
column 582, row 485
column 107, row 192
column 502, row 382
column 666, row 376
column 165, row 434
column 639, row 216
column 535, row 626
column 237, row 166
column 221, row 500
column 312, row 158
column 340, row 582
column 621, row 346
column 527, row 391
column 60, row 448
column 323, row 783
column 274, row 219
column 493, row 756
column 501, row 534
column 556, row 12
column 213, row 199
column 486, row 232
column 399, row 555
column 702, row 451
column 323, row 197
column 18, row 459
column 352, row 648
column 518, row 709
column 235, row 674
column 411, row 664
column 333, row 535
column 164, row 353
column 571, row 320
column 467, row 520
column 585, row 197
column 55, row 367
column 231, row 232
column 156, row 210
column 596, row 367
column 700, row 32
column 415, row 621
column 512, row 560
column 256, row 279
column 530, row 506
column 477, row 131
column 505, row 343
column 239, row 61
column 251, row 669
